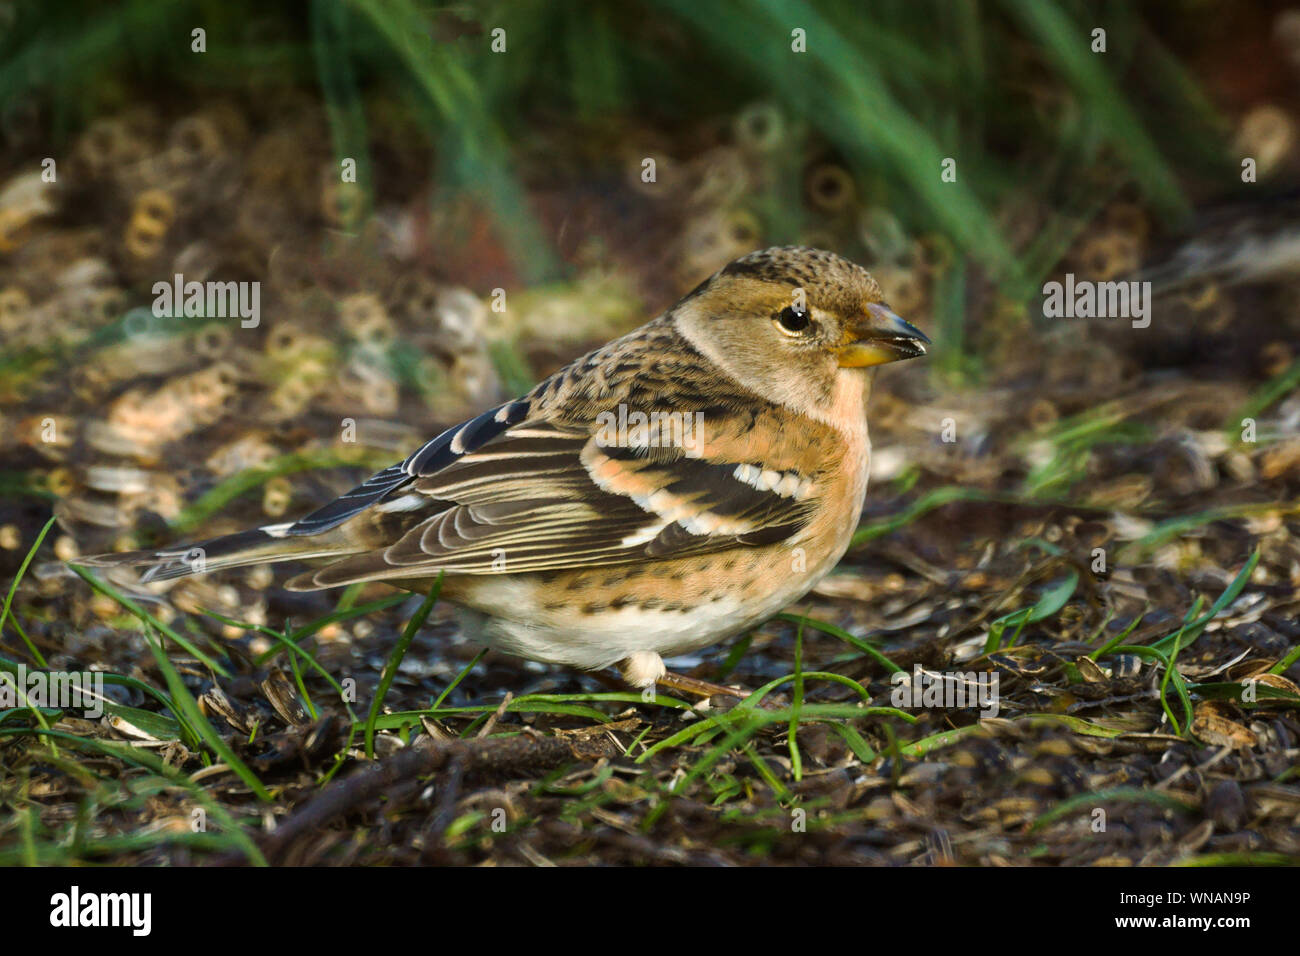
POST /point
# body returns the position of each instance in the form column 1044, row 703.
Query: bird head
column 788, row 320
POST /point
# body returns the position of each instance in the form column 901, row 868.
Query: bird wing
column 507, row 493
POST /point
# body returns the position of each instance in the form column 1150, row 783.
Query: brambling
column 673, row 488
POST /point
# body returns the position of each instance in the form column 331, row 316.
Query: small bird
column 675, row 487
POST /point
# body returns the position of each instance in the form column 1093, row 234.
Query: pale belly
column 601, row 639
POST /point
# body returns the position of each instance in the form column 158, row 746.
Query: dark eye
column 792, row 321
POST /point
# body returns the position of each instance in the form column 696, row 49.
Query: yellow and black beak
column 880, row 337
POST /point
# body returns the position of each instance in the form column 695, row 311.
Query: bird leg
column 644, row 669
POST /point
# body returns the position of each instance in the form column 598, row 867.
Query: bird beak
column 880, row 337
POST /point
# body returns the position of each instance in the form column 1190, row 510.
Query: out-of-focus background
column 444, row 203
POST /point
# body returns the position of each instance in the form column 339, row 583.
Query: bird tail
column 265, row 545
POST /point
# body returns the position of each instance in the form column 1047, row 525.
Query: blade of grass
column 943, row 738
column 1241, row 858
column 845, row 636
column 1173, row 528
column 1087, row 801
column 929, row 501
column 779, row 789
column 856, row 742
column 189, row 708
column 394, row 661
column 13, row 588
column 796, row 761
column 1052, row 600
column 1285, row 663
column 1229, row 595
column 1235, row 692
column 340, row 615
column 1119, row 638
column 1170, row 675
column 1283, row 384
column 119, row 680
column 1170, row 671
column 302, row 687
column 349, row 596
column 148, row 619
column 25, row 705
column 459, row 677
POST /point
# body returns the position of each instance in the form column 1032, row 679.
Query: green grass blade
column 845, row 636
column 188, row 708
column 13, row 588
column 103, row 587
column 394, row 661
column 1229, row 595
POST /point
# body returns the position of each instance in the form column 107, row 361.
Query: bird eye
column 792, row 321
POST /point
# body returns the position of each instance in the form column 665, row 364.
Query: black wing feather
column 432, row 457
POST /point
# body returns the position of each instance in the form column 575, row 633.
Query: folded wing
column 497, row 496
